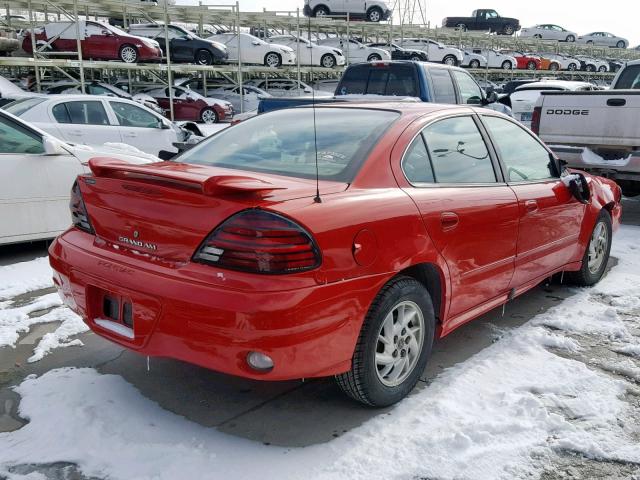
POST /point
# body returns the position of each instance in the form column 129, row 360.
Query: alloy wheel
column 598, row 247
column 399, row 343
column 374, row 15
column 272, row 60
column 209, row 116
column 128, row 54
column 328, row 61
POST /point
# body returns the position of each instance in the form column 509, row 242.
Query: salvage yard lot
column 550, row 389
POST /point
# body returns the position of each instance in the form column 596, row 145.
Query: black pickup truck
column 484, row 19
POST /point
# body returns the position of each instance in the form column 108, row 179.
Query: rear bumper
column 308, row 332
column 582, row 158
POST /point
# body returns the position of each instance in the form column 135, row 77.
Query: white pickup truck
column 596, row 131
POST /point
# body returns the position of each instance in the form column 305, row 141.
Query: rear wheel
column 531, row 65
column 508, row 29
column 272, row 60
column 328, row 61
column 507, row 65
column 204, row 58
column 128, row 54
column 474, row 64
column 374, row 14
column 450, row 60
column 374, row 57
column 209, row 116
column 554, row 67
column 462, row 27
column 621, row 44
column 320, row 11
column 596, row 255
column 394, row 345
column 602, row 68
column 571, row 38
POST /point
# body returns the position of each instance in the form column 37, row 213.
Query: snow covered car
column 94, row 120
column 473, row 60
column 355, row 51
column 10, row 92
column 310, row 53
column 286, row 87
column 549, row 31
column 603, row 39
column 191, row 106
column 254, row 50
column 427, row 216
column 36, row 175
column 100, row 88
column 436, row 51
column 497, row 59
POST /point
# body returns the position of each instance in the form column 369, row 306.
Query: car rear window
column 379, row 79
column 283, row 142
column 629, row 78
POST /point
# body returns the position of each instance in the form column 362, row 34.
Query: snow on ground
column 26, row 277
column 503, row 414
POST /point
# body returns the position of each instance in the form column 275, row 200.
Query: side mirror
column 52, row 146
column 578, row 186
column 255, row 42
column 165, row 125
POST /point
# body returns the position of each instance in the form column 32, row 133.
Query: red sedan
column 98, row 41
column 236, row 258
column 191, row 106
column 525, row 61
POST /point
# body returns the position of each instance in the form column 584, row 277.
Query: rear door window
column 84, row 113
column 442, row 84
column 629, row 78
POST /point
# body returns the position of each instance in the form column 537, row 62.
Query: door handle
column 449, row 221
column 531, row 206
column 130, row 134
column 616, row 102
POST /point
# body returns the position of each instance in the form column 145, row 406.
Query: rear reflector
column 79, row 215
column 261, row 242
column 535, row 120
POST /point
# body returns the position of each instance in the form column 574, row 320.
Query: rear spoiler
column 186, row 178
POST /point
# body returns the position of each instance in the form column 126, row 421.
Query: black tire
column 374, row 15
column 203, row 57
column 128, row 54
column 508, row 29
column 602, row 68
column 507, row 65
column 585, row 277
column 554, row 67
column 571, row 38
column 374, row 57
column 415, row 58
column 209, row 116
column 328, row 61
column 531, row 65
column 474, row 64
column 321, row 11
column 590, row 68
column 621, row 44
column 450, row 60
column 362, row 382
column 589, row 42
column 462, row 27
column 572, row 67
column 270, row 60
column 537, row 35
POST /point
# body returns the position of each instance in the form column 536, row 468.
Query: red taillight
column 261, row 242
column 79, row 216
column 535, row 120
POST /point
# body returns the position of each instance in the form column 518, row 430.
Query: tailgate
column 607, row 118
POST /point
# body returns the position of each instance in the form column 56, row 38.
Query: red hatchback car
column 99, row 41
column 237, row 257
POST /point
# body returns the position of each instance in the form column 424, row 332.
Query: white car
column 286, row 87
column 371, row 10
column 355, row 51
column 549, row 31
column 473, row 60
column 563, row 61
column 93, row 120
column 37, row 172
column 524, row 99
column 497, row 59
column 9, row 92
column 436, row 51
column 590, row 64
column 256, row 51
column 603, row 39
column 228, row 92
column 311, row 53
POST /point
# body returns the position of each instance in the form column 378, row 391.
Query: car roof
column 552, row 83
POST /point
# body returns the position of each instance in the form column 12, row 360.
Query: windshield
column 629, row 78
column 20, row 106
column 282, row 142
